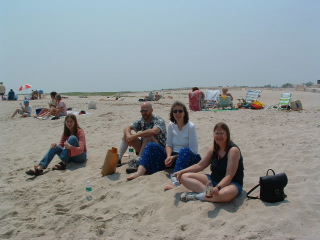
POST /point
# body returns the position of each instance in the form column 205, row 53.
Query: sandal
column 35, row 172
column 188, row 196
column 133, row 166
column 60, row 166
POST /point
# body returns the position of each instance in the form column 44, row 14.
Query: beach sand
column 54, row 205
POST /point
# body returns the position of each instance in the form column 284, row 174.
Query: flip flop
column 188, row 196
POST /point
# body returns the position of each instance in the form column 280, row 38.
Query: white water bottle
column 89, row 189
column 131, row 153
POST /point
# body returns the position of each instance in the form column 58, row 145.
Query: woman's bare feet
column 169, row 186
column 141, row 171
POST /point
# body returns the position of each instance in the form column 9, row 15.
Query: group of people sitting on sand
column 56, row 109
column 159, row 148
column 220, row 99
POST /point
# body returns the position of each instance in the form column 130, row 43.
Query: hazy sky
column 75, row 45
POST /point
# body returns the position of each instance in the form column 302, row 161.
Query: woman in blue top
column 181, row 149
column 227, row 171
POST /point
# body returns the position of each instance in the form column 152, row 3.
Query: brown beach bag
column 110, row 162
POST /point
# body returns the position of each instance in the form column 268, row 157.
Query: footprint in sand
column 60, row 210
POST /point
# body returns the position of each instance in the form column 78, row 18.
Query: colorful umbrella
column 26, row 86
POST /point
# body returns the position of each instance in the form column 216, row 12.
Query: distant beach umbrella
column 23, row 87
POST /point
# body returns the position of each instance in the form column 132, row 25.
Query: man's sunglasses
column 178, row 111
column 143, row 111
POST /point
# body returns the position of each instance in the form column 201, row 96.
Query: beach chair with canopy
column 211, row 98
column 285, row 100
column 225, row 102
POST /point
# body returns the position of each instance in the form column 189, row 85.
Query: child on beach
column 72, row 148
column 24, row 110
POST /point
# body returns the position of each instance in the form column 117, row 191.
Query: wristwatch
column 219, row 187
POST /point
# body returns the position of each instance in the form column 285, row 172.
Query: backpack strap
column 251, row 190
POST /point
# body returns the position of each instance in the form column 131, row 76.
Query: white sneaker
column 188, row 196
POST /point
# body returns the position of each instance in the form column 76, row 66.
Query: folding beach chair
column 285, row 100
column 225, row 102
column 252, row 95
column 211, row 99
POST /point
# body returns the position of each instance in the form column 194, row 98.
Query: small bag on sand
column 92, row 105
column 271, row 187
column 110, row 162
column 296, row 105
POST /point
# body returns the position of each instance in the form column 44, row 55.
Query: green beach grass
column 91, row 93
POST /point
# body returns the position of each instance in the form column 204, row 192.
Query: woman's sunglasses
column 178, row 111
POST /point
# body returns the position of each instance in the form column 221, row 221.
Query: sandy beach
column 54, row 205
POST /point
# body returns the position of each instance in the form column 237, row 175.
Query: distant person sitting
column 60, row 109
column 157, row 96
column 225, row 94
column 225, row 99
column 34, row 95
column 11, row 95
column 44, row 112
column 25, row 110
column 2, row 90
column 196, row 99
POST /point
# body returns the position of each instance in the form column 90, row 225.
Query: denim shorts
column 238, row 185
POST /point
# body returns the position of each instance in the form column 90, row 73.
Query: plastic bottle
column 89, row 189
column 131, row 153
column 174, row 180
column 209, row 190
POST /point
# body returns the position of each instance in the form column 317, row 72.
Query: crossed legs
column 197, row 182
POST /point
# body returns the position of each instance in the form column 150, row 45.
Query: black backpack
column 271, row 187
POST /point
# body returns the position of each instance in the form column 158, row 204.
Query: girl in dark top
column 227, row 171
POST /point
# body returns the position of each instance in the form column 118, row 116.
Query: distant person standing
column 11, row 95
column 2, row 90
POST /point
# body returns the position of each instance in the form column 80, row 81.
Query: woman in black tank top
column 227, row 170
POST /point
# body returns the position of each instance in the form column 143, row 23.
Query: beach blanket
column 78, row 113
column 220, row 110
